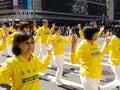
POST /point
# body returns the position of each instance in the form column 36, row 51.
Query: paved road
column 71, row 78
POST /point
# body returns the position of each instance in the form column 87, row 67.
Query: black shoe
column 8, row 56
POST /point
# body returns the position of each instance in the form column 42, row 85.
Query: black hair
column 17, row 26
column 6, row 23
column 23, row 25
column 44, row 20
column 116, row 30
column 19, row 38
column 89, row 31
column 56, row 28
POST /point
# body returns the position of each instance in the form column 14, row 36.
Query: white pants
column 116, row 82
column 43, row 51
column 90, row 83
column 59, row 59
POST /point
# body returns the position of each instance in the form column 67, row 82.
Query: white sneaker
column 100, row 87
column 59, row 83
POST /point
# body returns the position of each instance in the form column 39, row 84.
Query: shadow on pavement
column 66, row 87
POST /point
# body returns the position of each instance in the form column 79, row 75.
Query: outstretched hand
column 107, row 37
column 49, row 47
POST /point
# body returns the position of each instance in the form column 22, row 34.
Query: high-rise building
column 116, row 9
column 113, row 9
column 61, row 10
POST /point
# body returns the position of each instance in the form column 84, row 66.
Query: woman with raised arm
column 114, row 58
column 89, row 55
column 22, row 69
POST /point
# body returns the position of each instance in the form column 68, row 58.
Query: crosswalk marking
column 66, row 82
column 72, row 83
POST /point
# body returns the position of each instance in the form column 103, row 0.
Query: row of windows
column 57, row 6
column 74, row 6
column 6, row 4
column 94, row 9
column 99, row 1
column 63, row 6
column 117, row 9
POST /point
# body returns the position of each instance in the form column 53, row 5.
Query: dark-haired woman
column 22, row 69
column 114, row 59
column 89, row 55
column 58, row 52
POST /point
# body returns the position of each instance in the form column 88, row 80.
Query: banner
column 15, row 4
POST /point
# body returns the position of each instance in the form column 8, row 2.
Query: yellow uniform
column 44, row 33
column 114, row 50
column 1, row 33
column 12, row 29
column 90, row 58
column 81, row 34
column 10, row 38
column 23, row 75
column 3, row 45
column 59, row 42
column 35, row 29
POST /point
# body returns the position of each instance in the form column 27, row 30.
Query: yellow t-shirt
column 23, row 75
column 114, row 50
column 44, row 33
column 12, row 29
column 35, row 29
column 10, row 38
column 3, row 45
column 59, row 43
column 81, row 34
column 90, row 58
column 1, row 33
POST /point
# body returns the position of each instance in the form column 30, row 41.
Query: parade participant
column 35, row 26
column 80, row 30
column 3, row 43
column 89, row 55
column 5, row 28
column 58, row 52
column 114, row 59
column 22, row 69
column 11, row 36
column 12, row 27
column 44, row 32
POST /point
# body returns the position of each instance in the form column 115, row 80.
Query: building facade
column 113, row 9
column 116, row 9
column 61, row 10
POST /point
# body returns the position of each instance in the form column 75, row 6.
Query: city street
column 71, row 77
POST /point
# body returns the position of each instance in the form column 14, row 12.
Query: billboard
column 29, row 4
column 15, row 4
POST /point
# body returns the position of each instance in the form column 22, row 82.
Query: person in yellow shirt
column 58, row 52
column 5, row 28
column 22, row 69
column 3, row 43
column 35, row 26
column 114, row 59
column 89, row 55
column 10, row 37
column 44, row 32
column 80, row 30
column 12, row 29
